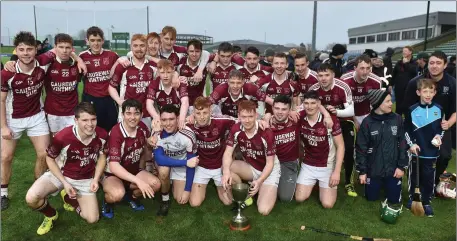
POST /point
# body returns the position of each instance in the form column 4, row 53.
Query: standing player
column 229, row 94
column 210, row 133
column 176, row 152
column 76, row 160
column 336, row 96
column 324, row 151
column 224, row 66
column 135, row 79
column 361, row 80
column 99, row 62
column 21, row 110
column 61, row 83
column 258, row 148
column 305, row 76
column 125, row 175
column 161, row 93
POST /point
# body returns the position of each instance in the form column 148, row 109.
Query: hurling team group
column 146, row 126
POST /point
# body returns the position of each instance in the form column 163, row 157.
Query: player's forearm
column 152, row 110
column 113, row 93
column 339, row 153
column 184, row 107
column 452, row 120
column 76, row 57
column 267, row 169
column 121, row 173
column 113, row 69
column 163, row 160
column 296, row 102
column 54, row 169
column 227, row 159
column 204, row 60
column 324, row 111
column 3, row 110
column 347, row 112
column 100, row 167
column 269, row 101
column 143, row 159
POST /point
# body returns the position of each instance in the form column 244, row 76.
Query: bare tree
column 330, row 46
column 82, row 34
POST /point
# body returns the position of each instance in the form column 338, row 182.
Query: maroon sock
column 73, row 202
column 47, row 210
column 4, row 186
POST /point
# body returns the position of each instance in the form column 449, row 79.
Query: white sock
column 4, row 191
column 165, row 197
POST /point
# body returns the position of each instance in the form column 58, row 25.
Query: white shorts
column 35, row 125
column 178, row 173
column 275, row 174
column 203, row 175
column 310, row 174
column 82, row 186
column 57, row 123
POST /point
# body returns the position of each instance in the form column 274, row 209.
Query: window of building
column 352, row 41
column 371, row 38
column 421, row 33
column 394, row 36
column 381, row 37
column 361, row 40
column 411, row 34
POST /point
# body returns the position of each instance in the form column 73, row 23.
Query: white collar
column 256, row 129
column 75, row 132
column 125, row 134
column 19, row 70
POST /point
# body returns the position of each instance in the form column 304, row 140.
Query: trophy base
column 237, row 227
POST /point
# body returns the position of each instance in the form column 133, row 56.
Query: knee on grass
column 264, row 210
column 91, row 218
column 194, row 202
column 114, row 196
column 327, row 204
column 32, row 199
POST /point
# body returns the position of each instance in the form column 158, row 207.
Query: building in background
column 245, row 43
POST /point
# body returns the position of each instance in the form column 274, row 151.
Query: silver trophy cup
column 240, row 193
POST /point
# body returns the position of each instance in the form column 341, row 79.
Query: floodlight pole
column 313, row 50
column 426, row 25
column 147, row 18
column 34, row 16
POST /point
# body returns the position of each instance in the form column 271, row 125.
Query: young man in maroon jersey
column 76, row 160
column 336, row 96
column 228, row 95
column 99, row 62
column 21, row 109
column 125, row 177
column 60, row 84
column 305, row 76
column 210, row 133
column 258, row 148
column 361, row 80
column 135, row 79
column 223, row 67
column 161, row 92
column 324, row 152
column 279, row 82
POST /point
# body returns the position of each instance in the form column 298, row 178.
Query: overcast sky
column 283, row 22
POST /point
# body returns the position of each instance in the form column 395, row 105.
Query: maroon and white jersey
column 96, row 81
column 134, row 82
column 360, row 91
column 309, row 80
column 261, row 70
column 319, row 148
column 157, row 93
column 195, row 89
column 24, row 89
column 272, row 88
column 211, row 141
column 127, row 149
column 220, row 75
column 338, row 95
column 75, row 159
column 286, row 139
column 61, row 83
column 228, row 104
column 177, row 53
column 255, row 149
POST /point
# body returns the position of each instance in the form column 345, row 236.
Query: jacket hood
column 383, row 117
column 389, row 51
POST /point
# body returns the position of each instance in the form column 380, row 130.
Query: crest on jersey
column 360, row 89
column 215, row 132
column 394, row 130
column 114, row 151
column 73, row 71
column 445, row 89
column 105, row 61
column 320, row 131
column 278, row 90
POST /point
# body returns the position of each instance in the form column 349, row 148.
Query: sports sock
column 73, row 202
column 4, row 190
column 47, row 210
column 165, row 197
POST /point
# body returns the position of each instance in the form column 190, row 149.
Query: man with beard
column 210, row 133
column 403, row 72
column 336, row 96
column 76, row 160
column 258, row 148
column 134, row 80
column 445, row 97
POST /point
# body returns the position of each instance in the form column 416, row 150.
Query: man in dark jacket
column 445, row 97
column 268, row 60
column 336, row 59
column 381, row 148
column 388, row 59
column 316, row 61
column 421, row 61
column 403, row 72
column 378, row 67
column 450, row 69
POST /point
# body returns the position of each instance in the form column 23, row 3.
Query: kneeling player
column 124, row 174
column 80, row 149
column 176, row 153
column 210, row 133
column 259, row 150
column 322, row 147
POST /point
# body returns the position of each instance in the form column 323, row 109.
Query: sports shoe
column 350, row 190
column 66, row 205
column 428, row 211
column 409, row 204
column 163, row 209
column 134, row 204
column 47, row 224
column 5, row 202
column 107, row 210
